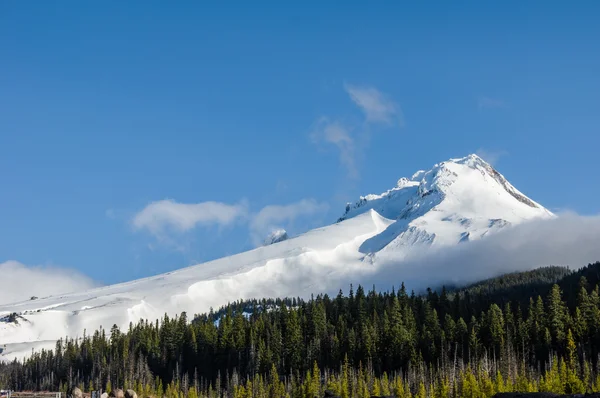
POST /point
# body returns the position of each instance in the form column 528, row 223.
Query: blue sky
column 109, row 107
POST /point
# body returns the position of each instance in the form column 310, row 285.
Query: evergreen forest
column 528, row 331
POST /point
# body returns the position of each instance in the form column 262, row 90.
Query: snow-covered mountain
column 457, row 201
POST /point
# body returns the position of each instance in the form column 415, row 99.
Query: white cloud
column 274, row 217
column 165, row 216
column 377, row 107
column 490, row 103
column 21, row 282
column 168, row 220
column 333, row 132
column 491, row 157
column 351, row 140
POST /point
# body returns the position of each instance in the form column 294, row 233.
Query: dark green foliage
column 514, row 287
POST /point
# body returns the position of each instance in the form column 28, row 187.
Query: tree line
column 531, row 331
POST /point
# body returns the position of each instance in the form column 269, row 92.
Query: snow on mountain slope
column 267, row 271
column 456, row 201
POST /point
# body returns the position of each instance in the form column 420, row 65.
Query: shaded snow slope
column 455, row 202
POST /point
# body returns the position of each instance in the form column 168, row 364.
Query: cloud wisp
column 351, row 140
column 21, row 282
column 334, row 133
column 492, row 157
column 377, row 107
column 168, row 221
column 165, row 216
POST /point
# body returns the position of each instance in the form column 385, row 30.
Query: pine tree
column 573, row 384
column 276, row 389
column 499, row 383
column 421, row 392
column 556, row 314
column 442, row 389
column 385, row 385
column 345, row 387
column 398, row 387
column 376, row 390
column 496, row 327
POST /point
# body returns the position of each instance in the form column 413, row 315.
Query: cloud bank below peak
column 566, row 240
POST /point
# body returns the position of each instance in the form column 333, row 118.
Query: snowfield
column 455, row 202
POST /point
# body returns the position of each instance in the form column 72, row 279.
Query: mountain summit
column 457, row 201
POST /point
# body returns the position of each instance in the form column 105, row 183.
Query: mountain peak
column 469, row 180
column 456, row 200
column 471, row 160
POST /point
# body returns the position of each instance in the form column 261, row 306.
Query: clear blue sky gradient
column 111, row 105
